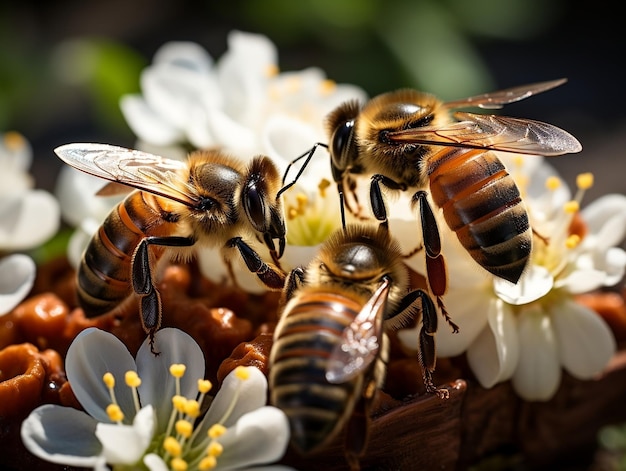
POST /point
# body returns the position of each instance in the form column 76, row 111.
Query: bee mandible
column 212, row 200
column 330, row 347
column 410, row 141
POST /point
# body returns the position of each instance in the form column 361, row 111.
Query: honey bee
column 212, row 200
column 330, row 348
column 409, row 141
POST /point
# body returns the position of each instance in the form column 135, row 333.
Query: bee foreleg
column 271, row 277
column 377, row 199
column 143, row 284
column 294, row 281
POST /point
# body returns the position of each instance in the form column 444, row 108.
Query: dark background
column 453, row 48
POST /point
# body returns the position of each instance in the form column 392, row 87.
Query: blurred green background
column 64, row 64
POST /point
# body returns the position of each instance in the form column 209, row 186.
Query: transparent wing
column 496, row 100
column 493, row 132
column 141, row 170
column 360, row 341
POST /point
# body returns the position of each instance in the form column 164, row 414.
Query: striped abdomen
column 483, row 206
column 311, row 325
column 104, row 272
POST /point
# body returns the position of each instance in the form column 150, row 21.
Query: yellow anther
column 132, row 379
column 328, row 86
column 13, row 140
column 323, row 186
column 301, row 200
column 177, row 370
column 204, row 386
column 109, row 380
column 178, row 464
column 584, row 181
column 179, row 403
column 216, row 431
column 172, row 446
column 192, row 408
column 518, row 160
column 242, row 372
column 214, row 449
column 272, row 70
column 207, row 463
column 292, row 213
column 552, row 183
column 571, row 207
column 572, row 241
column 115, row 413
column 184, row 428
column 293, row 84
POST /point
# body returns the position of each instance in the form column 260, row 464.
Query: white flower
column 28, row 217
column 150, row 421
column 17, row 275
column 529, row 331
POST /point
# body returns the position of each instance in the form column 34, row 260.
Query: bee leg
column 435, row 262
column 307, row 156
column 143, row 284
column 426, row 351
column 294, row 281
column 377, row 199
column 271, row 277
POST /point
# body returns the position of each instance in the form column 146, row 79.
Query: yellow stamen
column 571, row 207
column 192, row 408
column 327, row 87
column 204, row 386
column 109, row 380
column 552, row 183
column 301, row 200
column 216, row 431
column 271, row 70
column 584, row 181
column 132, row 379
column 572, row 241
column 207, row 463
column 13, row 140
column 323, row 186
column 214, row 449
column 115, row 413
column 177, row 370
column 184, row 428
column 178, row 464
column 242, row 373
column 179, row 403
column 292, row 213
column 172, row 446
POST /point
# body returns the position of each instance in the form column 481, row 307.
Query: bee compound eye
column 340, row 144
column 254, row 206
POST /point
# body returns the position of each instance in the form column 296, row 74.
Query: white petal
column 61, row 435
column 284, row 138
column 17, row 275
column 494, row 354
column 147, row 124
column 538, row 372
column 125, row 444
column 158, row 385
column 155, row 463
column 258, row 437
column 581, row 281
column 298, row 255
column 612, row 232
column 596, row 213
column 534, row 283
column 614, row 266
column 231, row 134
column 184, row 54
column 31, row 220
column 586, row 343
column 93, row 353
column 252, row 395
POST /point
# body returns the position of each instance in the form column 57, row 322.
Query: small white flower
column 28, row 217
column 529, row 331
column 150, row 419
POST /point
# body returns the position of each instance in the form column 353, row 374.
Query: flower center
column 182, row 447
column 311, row 219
